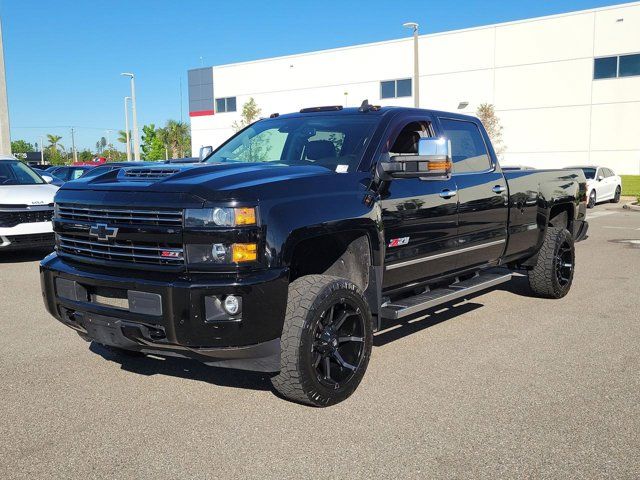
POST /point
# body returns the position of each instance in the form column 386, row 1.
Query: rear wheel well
column 345, row 255
column 561, row 216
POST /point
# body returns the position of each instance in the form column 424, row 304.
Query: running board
column 424, row 301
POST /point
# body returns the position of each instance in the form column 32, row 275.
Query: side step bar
column 424, row 301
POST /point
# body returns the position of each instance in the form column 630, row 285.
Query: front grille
column 121, row 251
column 122, row 216
column 31, row 240
column 11, row 219
column 144, row 173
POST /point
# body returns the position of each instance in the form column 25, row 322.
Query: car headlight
column 219, row 217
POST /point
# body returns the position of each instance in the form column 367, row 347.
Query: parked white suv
column 26, row 206
column 602, row 185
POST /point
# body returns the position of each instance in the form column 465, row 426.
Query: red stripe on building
column 201, row 113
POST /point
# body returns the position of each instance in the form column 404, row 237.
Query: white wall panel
column 456, row 52
column 564, row 129
column 615, row 126
column 445, row 92
column 622, row 162
column 614, row 37
column 544, row 84
column 557, row 38
column 612, row 90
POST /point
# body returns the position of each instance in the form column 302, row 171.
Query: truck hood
column 200, row 179
column 41, row 194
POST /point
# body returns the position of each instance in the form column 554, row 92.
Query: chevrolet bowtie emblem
column 103, row 231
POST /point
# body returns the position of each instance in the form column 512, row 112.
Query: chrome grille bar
column 120, row 251
column 119, row 215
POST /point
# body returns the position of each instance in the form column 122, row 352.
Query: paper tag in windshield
column 342, row 168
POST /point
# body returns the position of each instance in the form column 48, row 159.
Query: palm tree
column 53, row 141
column 175, row 135
column 122, row 136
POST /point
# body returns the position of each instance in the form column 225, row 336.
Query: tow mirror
column 433, row 161
column 205, row 152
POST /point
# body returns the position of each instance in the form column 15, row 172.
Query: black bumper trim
column 582, row 231
column 115, row 332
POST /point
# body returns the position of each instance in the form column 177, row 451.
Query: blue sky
column 63, row 57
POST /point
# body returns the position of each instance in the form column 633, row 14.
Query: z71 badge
column 397, row 242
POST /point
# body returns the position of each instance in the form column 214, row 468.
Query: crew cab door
column 482, row 194
column 419, row 216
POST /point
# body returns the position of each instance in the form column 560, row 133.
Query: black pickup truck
column 291, row 244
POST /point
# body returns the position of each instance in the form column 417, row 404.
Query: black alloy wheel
column 338, row 345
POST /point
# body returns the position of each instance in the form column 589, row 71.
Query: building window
column 225, row 104
column 629, row 65
column 605, row 68
column 395, row 88
column 616, row 67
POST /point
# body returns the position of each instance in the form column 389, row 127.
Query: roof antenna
column 365, row 107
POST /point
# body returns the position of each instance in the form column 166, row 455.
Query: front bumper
column 179, row 327
column 27, row 235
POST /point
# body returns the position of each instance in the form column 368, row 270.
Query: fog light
column 231, row 305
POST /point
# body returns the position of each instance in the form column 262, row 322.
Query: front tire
column 592, row 199
column 326, row 341
column 616, row 197
column 552, row 275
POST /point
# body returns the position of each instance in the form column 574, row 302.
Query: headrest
column 320, row 149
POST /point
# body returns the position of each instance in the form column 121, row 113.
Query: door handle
column 498, row 189
column 448, row 193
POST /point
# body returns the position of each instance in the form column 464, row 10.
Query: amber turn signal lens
column 244, row 252
column 439, row 166
column 245, row 216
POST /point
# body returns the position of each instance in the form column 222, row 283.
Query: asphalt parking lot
column 503, row 385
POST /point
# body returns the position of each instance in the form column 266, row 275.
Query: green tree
column 21, row 146
column 487, row 115
column 250, row 113
column 85, row 155
column 256, row 149
column 175, row 137
column 152, row 146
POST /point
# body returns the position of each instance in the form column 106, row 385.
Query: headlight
column 219, row 217
column 220, row 254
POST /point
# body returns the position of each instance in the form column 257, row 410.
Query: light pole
column 5, row 135
column 416, row 70
column 126, row 128
column 136, row 139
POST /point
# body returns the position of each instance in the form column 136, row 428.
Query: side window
column 406, row 143
column 468, row 149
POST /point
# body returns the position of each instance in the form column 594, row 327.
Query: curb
column 631, row 206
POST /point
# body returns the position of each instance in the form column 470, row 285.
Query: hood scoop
column 148, row 173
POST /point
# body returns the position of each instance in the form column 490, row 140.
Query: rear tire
column 326, row 341
column 618, row 194
column 592, row 199
column 552, row 275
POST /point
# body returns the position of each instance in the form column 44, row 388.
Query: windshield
column 334, row 142
column 17, row 173
column 590, row 173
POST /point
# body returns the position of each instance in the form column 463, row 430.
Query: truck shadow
column 184, row 368
column 23, row 256
column 518, row 285
column 390, row 331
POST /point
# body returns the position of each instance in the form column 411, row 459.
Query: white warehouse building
column 566, row 87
